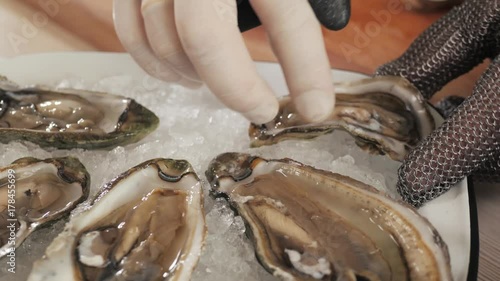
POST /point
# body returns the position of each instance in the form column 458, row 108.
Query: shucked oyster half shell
column 386, row 115
column 146, row 224
column 36, row 192
column 71, row 118
column 309, row 224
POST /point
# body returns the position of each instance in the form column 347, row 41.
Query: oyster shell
column 146, row 224
column 309, row 224
column 36, row 192
column 71, row 118
column 386, row 115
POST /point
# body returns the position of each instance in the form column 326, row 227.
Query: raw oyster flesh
column 146, row 224
column 71, row 118
column 309, row 224
column 386, row 115
column 36, row 192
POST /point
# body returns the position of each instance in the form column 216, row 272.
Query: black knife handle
column 333, row 14
column 247, row 19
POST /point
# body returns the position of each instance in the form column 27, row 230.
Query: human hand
column 190, row 41
column 469, row 141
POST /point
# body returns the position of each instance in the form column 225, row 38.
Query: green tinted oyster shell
column 69, row 118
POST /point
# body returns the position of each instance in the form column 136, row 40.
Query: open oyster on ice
column 309, row 224
column 71, row 118
column 386, row 115
column 146, row 224
column 36, row 192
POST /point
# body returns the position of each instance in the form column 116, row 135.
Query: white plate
column 448, row 213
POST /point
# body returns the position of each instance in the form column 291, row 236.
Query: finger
column 219, row 55
column 162, row 35
column 450, row 47
column 130, row 30
column 460, row 146
column 296, row 37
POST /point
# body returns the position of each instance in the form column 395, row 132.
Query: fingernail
column 264, row 113
column 315, row 106
column 190, row 84
column 162, row 71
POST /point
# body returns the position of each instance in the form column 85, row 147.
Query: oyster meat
column 71, row 118
column 386, row 115
column 309, row 224
column 36, row 192
column 146, row 224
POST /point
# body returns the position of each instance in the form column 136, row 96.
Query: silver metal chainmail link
column 450, row 47
column 489, row 171
column 469, row 141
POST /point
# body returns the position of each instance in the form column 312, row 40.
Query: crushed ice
column 196, row 127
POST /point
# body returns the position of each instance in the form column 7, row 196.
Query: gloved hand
column 469, row 141
column 189, row 41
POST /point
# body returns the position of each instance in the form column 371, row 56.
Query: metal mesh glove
column 469, row 141
column 333, row 14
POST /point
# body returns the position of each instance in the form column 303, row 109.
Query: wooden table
column 377, row 33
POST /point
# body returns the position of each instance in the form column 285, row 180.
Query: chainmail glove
column 469, row 141
column 333, row 14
